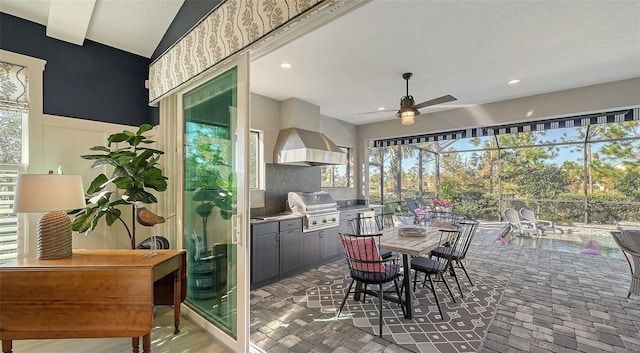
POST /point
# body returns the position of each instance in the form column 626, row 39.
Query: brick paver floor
column 554, row 302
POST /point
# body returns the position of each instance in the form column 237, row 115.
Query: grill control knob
column 314, row 223
column 333, row 219
column 324, row 221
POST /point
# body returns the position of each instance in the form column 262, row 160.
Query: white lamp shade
column 48, row 192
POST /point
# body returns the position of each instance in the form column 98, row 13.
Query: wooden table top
column 410, row 245
column 96, row 259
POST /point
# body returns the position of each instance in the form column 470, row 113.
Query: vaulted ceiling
column 354, row 64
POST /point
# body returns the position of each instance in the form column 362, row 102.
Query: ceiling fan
column 409, row 110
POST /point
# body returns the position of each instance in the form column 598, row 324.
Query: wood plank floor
column 191, row 339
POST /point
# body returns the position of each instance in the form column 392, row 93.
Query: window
column 337, row 176
column 255, row 159
column 13, row 122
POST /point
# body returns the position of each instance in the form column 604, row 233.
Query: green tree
column 10, row 137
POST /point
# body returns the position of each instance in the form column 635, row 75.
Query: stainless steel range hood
column 306, row 148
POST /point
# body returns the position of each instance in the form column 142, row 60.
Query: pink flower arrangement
column 438, row 202
column 419, row 213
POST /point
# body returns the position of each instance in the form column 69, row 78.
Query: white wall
column 60, row 141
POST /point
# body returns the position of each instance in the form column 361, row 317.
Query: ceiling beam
column 69, row 19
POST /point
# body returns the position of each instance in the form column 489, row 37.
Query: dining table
column 413, row 244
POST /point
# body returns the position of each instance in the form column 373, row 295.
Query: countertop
column 274, row 218
column 352, row 208
column 283, row 216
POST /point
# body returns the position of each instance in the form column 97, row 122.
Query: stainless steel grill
column 319, row 209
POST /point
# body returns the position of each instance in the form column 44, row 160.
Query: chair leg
column 465, row 271
column 433, row 290
column 446, row 285
column 346, row 295
column 399, row 292
column 380, row 294
column 453, row 272
column 415, row 280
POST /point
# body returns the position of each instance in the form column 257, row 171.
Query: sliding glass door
column 214, row 227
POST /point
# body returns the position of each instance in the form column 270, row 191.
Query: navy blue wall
column 93, row 81
column 190, row 14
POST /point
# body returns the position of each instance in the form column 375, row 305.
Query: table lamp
column 54, row 194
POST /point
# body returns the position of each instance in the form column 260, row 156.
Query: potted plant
column 135, row 173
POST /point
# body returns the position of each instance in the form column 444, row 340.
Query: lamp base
column 54, row 236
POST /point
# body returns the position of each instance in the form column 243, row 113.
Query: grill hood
column 306, row 148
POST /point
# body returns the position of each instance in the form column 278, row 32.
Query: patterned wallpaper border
column 228, row 30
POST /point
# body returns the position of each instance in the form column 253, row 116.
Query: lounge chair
column 516, row 226
column 417, row 211
column 629, row 242
column 530, row 217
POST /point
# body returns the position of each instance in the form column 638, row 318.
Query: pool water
column 573, row 240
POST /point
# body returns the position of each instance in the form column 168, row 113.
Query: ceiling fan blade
column 380, row 111
column 439, row 100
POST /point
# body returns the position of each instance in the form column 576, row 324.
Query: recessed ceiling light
column 513, row 82
column 285, row 66
column 380, row 108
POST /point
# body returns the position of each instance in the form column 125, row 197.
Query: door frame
column 241, row 62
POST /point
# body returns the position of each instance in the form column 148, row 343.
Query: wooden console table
column 93, row 293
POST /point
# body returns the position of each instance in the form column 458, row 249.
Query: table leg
column 407, row 286
column 7, row 346
column 135, row 344
column 177, row 290
column 146, row 343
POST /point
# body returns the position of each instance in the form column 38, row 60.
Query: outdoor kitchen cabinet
column 265, row 251
column 319, row 245
column 290, row 245
column 276, row 248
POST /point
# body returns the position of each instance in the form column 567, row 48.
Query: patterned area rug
column 462, row 330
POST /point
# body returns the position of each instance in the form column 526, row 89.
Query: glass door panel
column 213, row 194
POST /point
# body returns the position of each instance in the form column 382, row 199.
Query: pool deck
column 553, row 302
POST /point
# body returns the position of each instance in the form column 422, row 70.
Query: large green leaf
column 112, row 216
column 124, row 182
column 100, row 148
column 144, row 128
column 97, row 184
column 119, row 137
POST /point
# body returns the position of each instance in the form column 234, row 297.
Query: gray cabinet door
column 330, row 246
column 311, row 251
column 290, row 249
column 265, row 251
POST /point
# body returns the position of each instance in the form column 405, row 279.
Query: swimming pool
column 574, row 240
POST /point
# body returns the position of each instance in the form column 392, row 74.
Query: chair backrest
column 384, row 220
column 362, row 253
column 468, row 228
column 421, row 202
column 528, row 215
column 364, row 225
column 449, row 239
column 445, row 220
column 411, row 204
column 513, row 218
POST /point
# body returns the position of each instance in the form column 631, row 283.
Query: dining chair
column 367, row 267
column 384, row 220
column 445, row 220
column 467, row 228
column 437, row 266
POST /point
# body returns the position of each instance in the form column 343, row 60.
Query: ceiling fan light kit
column 409, row 110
